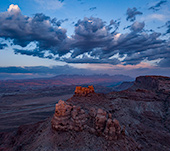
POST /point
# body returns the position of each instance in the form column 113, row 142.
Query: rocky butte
column 83, row 91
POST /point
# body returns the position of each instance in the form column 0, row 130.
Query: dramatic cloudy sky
column 129, row 37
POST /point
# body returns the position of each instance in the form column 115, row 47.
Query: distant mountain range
column 60, row 80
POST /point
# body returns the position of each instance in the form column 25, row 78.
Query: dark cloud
column 114, row 24
column 158, row 51
column 93, row 41
column 34, row 52
column 158, row 5
column 137, row 26
column 58, row 22
column 94, row 37
column 40, row 28
column 2, row 46
column 92, row 8
column 131, row 13
column 90, row 33
column 135, row 41
column 86, row 59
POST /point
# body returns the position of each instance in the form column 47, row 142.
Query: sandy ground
column 15, row 112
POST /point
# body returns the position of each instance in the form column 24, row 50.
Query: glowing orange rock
column 83, row 91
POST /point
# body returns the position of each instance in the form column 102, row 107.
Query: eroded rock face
column 153, row 83
column 99, row 122
column 83, row 91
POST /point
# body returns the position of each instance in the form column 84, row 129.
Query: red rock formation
column 83, row 91
column 99, row 122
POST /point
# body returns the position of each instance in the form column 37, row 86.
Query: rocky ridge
column 68, row 117
column 153, row 83
column 77, row 125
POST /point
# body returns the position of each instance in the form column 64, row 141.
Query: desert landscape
column 84, row 75
column 133, row 119
column 32, row 100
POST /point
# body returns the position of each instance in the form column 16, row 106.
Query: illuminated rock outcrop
column 83, row 91
column 99, row 122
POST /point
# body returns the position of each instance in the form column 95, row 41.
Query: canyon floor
column 26, row 111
